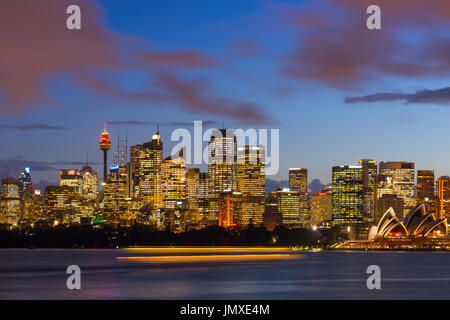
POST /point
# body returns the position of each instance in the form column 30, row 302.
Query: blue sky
column 285, row 64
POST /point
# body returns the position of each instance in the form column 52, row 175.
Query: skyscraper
column 443, row 197
column 348, row 195
column 25, row 192
column 150, row 160
column 401, row 182
column 425, row 184
column 288, row 206
column 25, row 184
column 173, row 179
column 203, row 195
column 370, row 173
column 222, row 168
column 71, row 178
column 230, row 209
column 59, row 202
column 115, row 195
column 298, row 181
column 321, row 207
column 251, row 183
column 10, row 204
column 89, row 182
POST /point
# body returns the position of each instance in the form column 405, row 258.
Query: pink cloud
column 335, row 47
column 36, row 45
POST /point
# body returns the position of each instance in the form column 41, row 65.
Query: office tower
column 203, row 194
column 222, row 168
column 443, row 197
column 105, row 145
column 37, row 205
column 401, row 182
column 385, row 202
column 25, row 184
column 230, row 209
column 288, row 206
column 115, row 195
column 272, row 216
column 10, row 205
column 150, row 160
column 59, row 203
column 135, row 152
column 192, row 188
column 298, row 181
column 89, row 183
column 173, row 180
column 347, row 198
column 251, row 183
column 425, row 190
column 25, row 192
column 71, row 178
column 321, row 207
column 370, row 173
column 425, row 184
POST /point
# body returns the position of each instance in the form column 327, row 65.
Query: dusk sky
column 337, row 91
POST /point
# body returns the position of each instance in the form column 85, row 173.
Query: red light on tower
column 105, row 145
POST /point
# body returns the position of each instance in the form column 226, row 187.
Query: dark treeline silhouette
column 85, row 236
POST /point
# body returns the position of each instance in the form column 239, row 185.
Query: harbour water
column 118, row 274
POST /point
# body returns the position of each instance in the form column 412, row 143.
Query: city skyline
column 250, row 64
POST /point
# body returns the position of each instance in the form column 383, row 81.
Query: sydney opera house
column 418, row 230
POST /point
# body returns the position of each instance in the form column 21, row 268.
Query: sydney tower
column 105, row 145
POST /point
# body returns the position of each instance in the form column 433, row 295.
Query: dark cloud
column 168, row 124
column 12, row 167
column 36, row 46
column 439, row 96
column 334, row 46
column 31, row 126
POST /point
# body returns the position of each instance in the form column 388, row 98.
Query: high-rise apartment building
column 251, row 183
column 348, row 195
column 222, row 168
column 399, row 180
